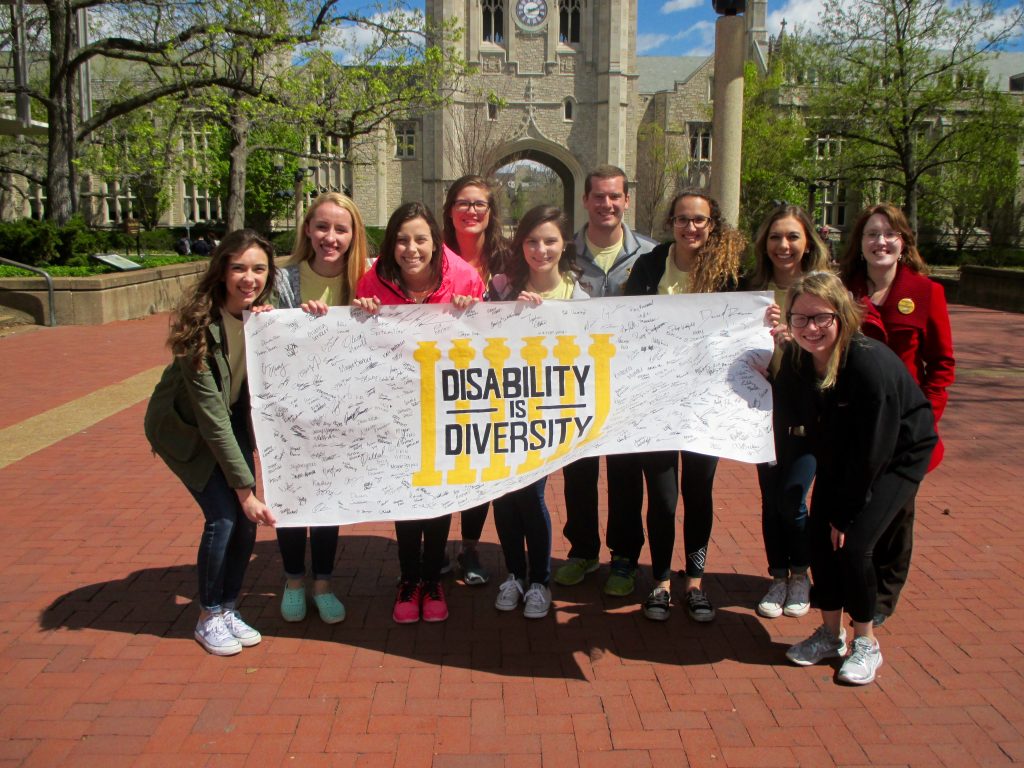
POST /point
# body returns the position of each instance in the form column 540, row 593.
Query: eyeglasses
column 478, row 206
column 822, row 320
column 889, row 237
column 680, row 222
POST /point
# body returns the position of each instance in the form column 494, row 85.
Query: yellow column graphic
column 601, row 352
column 427, row 355
column 566, row 352
column 496, row 353
column 534, row 354
column 462, row 355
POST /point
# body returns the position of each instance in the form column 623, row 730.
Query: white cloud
column 648, row 41
column 802, row 13
column 681, row 5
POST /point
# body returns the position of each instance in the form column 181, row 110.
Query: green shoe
column 622, row 579
column 574, row 570
column 330, row 608
column 293, row 604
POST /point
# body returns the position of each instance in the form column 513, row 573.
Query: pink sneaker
column 407, row 604
column 434, row 606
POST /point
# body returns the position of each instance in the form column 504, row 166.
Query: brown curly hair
column 717, row 263
column 202, row 305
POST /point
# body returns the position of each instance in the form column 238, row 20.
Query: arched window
column 567, row 110
column 494, row 20
column 569, row 21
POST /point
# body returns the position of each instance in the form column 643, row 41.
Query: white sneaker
column 241, row 631
column 820, row 645
column 509, row 594
column 213, row 634
column 537, row 602
column 862, row 663
column 798, row 596
column 771, row 604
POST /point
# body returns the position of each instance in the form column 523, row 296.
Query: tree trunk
column 61, row 183
column 239, row 158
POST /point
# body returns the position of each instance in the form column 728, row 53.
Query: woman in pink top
column 415, row 267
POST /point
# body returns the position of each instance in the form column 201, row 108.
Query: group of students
column 859, row 378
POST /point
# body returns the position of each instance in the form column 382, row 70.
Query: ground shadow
column 585, row 625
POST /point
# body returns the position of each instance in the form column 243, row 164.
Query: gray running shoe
column 509, row 594
column 820, row 645
column 537, row 601
column 862, row 663
column 798, row 596
column 771, row 604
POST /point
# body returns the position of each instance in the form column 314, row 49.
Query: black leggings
column 845, row 578
column 421, row 545
column 661, row 472
column 323, row 546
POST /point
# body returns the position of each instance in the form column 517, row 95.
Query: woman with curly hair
column 703, row 257
column 883, row 268
column 786, row 248
column 472, row 229
column 198, row 423
column 330, row 259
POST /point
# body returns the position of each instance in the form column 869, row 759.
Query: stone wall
column 103, row 298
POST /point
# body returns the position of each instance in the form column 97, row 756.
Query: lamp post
column 727, row 118
column 301, row 174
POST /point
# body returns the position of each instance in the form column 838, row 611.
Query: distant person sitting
column 182, row 246
column 201, row 247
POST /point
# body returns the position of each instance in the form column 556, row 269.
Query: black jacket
column 875, row 420
column 648, row 270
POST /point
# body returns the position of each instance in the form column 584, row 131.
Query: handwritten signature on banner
column 425, row 410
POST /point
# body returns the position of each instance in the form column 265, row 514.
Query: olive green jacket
column 188, row 421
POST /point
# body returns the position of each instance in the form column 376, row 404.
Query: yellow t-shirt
column 314, row 287
column 605, row 257
column 561, row 292
column 234, row 339
column 780, row 294
column 675, row 280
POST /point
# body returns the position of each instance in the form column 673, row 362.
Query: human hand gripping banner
column 424, row 410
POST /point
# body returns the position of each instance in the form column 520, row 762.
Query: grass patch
column 98, row 268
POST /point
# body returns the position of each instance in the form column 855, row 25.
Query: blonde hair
column 830, row 289
column 355, row 258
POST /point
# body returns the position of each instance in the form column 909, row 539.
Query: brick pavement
column 98, row 666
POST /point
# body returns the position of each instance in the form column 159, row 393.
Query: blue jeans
column 228, row 535
column 524, row 528
column 784, row 490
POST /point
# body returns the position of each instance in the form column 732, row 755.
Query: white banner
column 425, row 410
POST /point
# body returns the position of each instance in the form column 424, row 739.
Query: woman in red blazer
column 906, row 310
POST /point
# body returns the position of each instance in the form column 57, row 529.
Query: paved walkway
column 98, row 665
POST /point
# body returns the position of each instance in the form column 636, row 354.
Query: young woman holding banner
column 786, row 248
column 330, row 259
column 472, row 229
column 703, row 257
column 197, row 421
column 541, row 265
column 415, row 267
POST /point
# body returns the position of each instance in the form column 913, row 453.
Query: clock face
column 531, row 13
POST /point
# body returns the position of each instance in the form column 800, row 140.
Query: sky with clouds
column 687, row 27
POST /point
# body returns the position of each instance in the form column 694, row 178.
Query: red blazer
column 457, row 279
column 914, row 322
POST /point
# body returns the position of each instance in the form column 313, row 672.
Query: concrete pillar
column 727, row 117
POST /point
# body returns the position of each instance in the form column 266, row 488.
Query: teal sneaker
column 572, row 573
column 622, row 579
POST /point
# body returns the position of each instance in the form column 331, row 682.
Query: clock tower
column 554, row 82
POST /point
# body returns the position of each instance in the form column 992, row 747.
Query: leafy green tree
column 901, row 83
column 777, row 163
column 660, row 162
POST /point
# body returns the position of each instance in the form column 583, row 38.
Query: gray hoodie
column 594, row 280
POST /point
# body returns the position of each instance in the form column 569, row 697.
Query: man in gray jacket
column 605, row 250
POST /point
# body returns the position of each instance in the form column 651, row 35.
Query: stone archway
column 558, row 160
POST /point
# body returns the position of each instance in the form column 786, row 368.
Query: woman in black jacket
column 872, row 433
column 703, row 257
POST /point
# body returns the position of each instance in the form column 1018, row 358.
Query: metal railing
column 49, row 285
